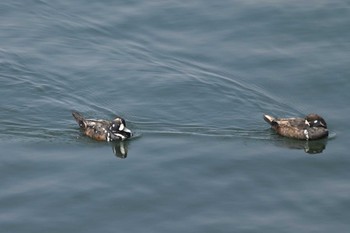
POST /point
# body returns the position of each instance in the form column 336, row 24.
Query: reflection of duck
column 120, row 149
column 102, row 130
column 309, row 128
column 310, row 147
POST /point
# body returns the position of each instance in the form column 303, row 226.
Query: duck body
column 311, row 127
column 103, row 130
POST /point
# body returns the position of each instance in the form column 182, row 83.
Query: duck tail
column 269, row 119
column 79, row 118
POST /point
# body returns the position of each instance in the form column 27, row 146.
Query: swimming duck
column 309, row 128
column 103, row 130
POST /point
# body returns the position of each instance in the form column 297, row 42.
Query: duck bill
column 126, row 130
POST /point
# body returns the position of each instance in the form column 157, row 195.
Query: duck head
column 314, row 120
column 118, row 127
column 118, row 124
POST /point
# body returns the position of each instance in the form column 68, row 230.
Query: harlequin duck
column 103, row 130
column 309, row 128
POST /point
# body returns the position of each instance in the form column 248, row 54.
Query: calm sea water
column 192, row 79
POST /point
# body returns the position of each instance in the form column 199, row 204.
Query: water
column 192, row 79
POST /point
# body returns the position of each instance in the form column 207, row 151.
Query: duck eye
column 113, row 127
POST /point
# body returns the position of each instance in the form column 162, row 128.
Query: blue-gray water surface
column 192, row 79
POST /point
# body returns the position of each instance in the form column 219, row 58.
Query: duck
column 103, row 130
column 311, row 127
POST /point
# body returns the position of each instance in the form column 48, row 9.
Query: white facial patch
column 307, row 122
column 315, row 121
column 121, row 127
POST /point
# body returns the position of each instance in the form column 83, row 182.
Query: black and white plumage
column 103, row 130
column 311, row 127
